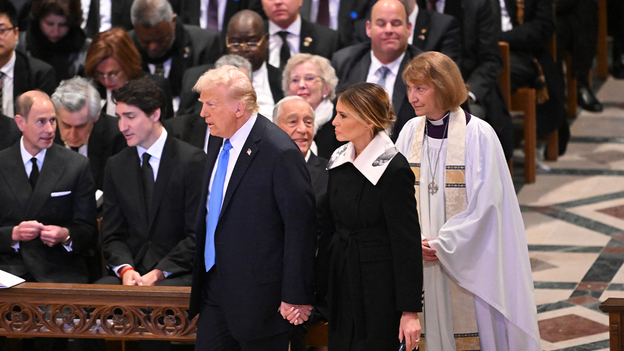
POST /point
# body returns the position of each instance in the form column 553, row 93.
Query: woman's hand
column 410, row 330
column 428, row 253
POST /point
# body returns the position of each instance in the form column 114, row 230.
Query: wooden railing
column 112, row 312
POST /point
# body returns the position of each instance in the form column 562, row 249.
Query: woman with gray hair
column 313, row 78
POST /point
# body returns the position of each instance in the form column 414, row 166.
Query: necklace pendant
column 433, row 188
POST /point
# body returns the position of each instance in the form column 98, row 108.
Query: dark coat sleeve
column 536, row 31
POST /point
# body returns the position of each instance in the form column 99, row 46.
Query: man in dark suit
column 343, row 20
column 47, row 212
column 295, row 116
column 481, row 63
column 244, row 28
column 301, row 36
column 168, row 47
column 96, row 21
column 255, row 242
column 17, row 70
column 198, row 13
column 431, row 31
column 390, row 50
column 82, row 128
column 9, row 133
column 528, row 33
column 151, row 195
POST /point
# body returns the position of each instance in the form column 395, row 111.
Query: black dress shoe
column 587, row 100
column 618, row 67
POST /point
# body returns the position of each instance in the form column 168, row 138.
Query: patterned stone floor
column 574, row 219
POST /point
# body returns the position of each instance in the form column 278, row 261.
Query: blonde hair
column 369, row 103
column 438, row 69
column 238, row 85
column 326, row 72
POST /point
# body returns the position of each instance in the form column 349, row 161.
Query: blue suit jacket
column 265, row 237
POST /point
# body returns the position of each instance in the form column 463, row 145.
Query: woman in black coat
column 55, row 36
column 375, row 278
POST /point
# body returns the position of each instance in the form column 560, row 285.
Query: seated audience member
column 289, row 34
column 151, row 195
column 615, row 11
column 191, row 127
column 381, row 61
column 528, row 33
column 47, row 212
column 481, row 62
column 168, row 47
column 577, row 30
column 55, row 37
column 9, row 133
column 314, row 79
column 342, row 18
column 431, row 31
column 295, row 116
column 245, row 37
column 19, row 73
column 82, row 128
column 102, row 15
column 112, row 61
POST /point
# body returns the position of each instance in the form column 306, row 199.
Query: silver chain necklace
column 433, row 187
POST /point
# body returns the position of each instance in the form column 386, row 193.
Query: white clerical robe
column 483, row 248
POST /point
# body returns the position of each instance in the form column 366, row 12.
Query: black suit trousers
column 212, row 327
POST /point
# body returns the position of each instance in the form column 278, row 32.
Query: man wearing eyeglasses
column 18, row 72
column 246, row 37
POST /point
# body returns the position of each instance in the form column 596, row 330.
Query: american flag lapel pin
column 248, row 152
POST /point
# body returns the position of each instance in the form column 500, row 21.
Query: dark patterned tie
column 213, row 15
column 93, row 20
column 322, row 17
column 34, row 174
column 160, row 70
column 284, row 51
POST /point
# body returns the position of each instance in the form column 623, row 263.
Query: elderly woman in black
column 375, row 276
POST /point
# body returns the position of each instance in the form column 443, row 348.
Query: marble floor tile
column 564, row 328
column 569, row 267
column 545, row 230
column 611, row 90
column 611, row 124
column 598, row 155
column 596, row 212
column 550, row 190
column 544, row 296
column 619, row 276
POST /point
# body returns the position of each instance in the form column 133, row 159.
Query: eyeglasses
column 251, row 45
column 112, row 75
column 308, row 79
column 3, row 31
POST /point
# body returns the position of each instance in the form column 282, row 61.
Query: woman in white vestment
column 478, row 289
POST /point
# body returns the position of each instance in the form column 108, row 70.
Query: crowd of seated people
column 72, row 75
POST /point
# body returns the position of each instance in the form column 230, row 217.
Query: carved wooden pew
column 112, row 312
column 615, row 308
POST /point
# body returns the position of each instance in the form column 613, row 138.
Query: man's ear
column 155, row 116
column 21, row 122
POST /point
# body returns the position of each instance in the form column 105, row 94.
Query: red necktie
column 432, row 5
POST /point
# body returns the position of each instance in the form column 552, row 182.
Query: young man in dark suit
column 301, row 36
column 355, row 64
column 83, row 128
column 255, row 226
column 19, row 73
column 150, row 195
column 47, row 212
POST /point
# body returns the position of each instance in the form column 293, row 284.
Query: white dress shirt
column 7, row 86
column 263, row 90
column 275, row 41
column 412, row 19
column 155, row 151
column 105, row 14
column 374, row 75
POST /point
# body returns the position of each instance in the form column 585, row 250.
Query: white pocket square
column 60, row 193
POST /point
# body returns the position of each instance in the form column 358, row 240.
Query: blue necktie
column 383, row 71
column 214, row 204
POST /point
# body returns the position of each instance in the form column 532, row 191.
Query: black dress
column 376, row 259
